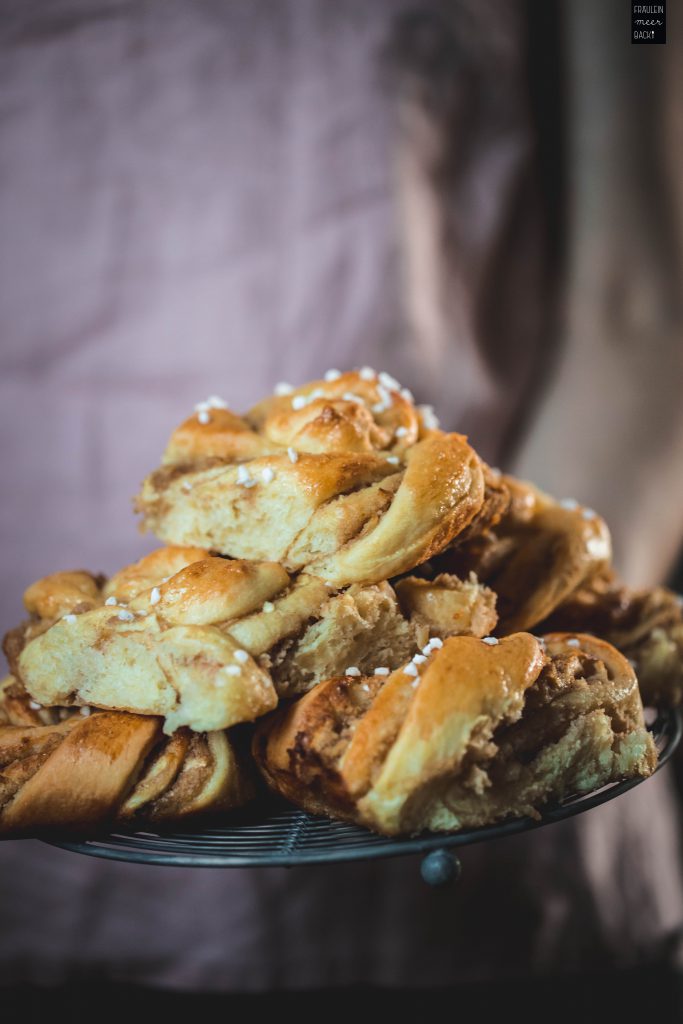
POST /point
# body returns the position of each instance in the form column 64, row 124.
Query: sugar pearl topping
column 588, row 514
column 85, row 711
column 125, row 616
column 332, row 375
column 386, row 399
column 268, row 606
column 490, row 640
column 301, row 401
column 367, row 373
column 111, row 601
column 293, row 455
column 381, row 671
column 243, row 477
column 352, row 671
column 573, row 642
column 241, row 656
column 155, row 596
column 69, row 618
column 283, row 388
column 569, row 503
column 410, row 669
column 34, row 705
column 267, row 475
column 429, row 417
column 212, row 402
column 232, row 670
column 387, row 381
column 432, row 645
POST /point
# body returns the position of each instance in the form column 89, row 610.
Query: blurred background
column 483, row 197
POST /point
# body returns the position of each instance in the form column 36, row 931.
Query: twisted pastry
column 76, row 772
column 645, row 625
column 535, row 557
column 341, row 478
column 470, row 732
column 209, row 642
column 447, row 606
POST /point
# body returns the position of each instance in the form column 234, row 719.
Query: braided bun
column 79, row 772
column 208, row 642
column 341, row 479
column 471, row 733
column 539, row 553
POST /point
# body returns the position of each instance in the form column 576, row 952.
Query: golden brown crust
column 480, row 731
column 341, row 478
column 84, row 777
column 208, row 642
column 150, row 571
column 190, row 675
column 162, row 654
column 646, row 625
column 448, row 606
column 83, row 772
column 214, row 590
column 61, row 593
column 540, row 552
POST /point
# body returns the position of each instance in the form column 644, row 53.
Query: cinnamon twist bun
column 470, row 732
column 535, row 557
column 340, row 478
column 645, row 625
column 80, row 772
column 208, row 642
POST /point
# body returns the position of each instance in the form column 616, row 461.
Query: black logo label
column 648, row 23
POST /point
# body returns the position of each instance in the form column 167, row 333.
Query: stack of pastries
column 349, row 605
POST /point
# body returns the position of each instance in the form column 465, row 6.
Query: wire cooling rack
column 274, row 835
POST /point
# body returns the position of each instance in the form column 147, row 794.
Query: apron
column 210, row 198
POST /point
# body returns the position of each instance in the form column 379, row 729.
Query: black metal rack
column 282, row 836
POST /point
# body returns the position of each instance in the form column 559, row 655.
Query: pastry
column 469, row 732
column 646, row 625
column 85, row 771
column 340, row 478
column 209, row 642
column 359, row 584
column 537, row 554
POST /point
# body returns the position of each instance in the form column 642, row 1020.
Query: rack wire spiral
column 278, row 835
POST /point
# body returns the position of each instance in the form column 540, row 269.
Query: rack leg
column 440, row 867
